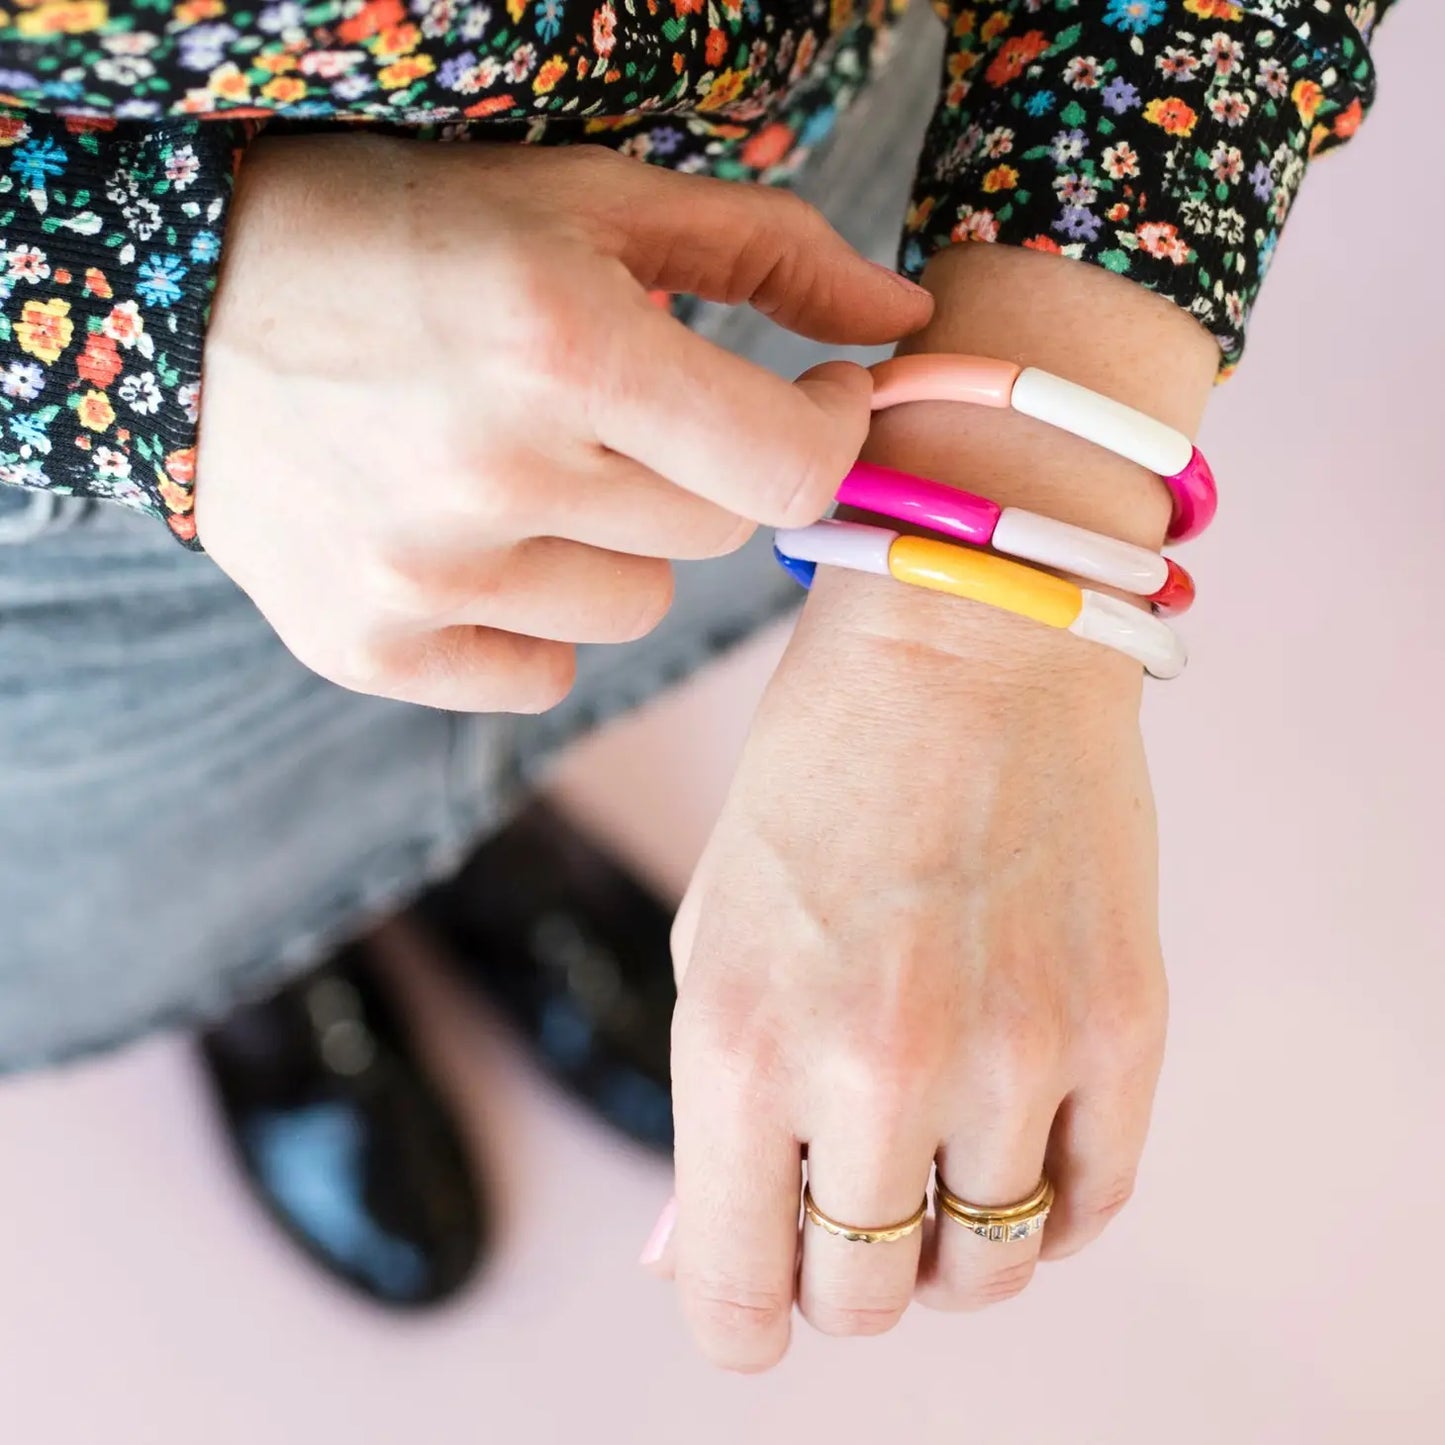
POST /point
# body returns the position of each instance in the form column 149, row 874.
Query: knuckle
column 402, row 586
column 724, row 1040
column 843, row 1318
column 733, row 1313
column 1100, row 1206
column 802, row 492
column 1003, row 1283
column 1022, row 1056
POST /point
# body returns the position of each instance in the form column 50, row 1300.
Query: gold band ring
column 1004, row 1225
column 853, row 1232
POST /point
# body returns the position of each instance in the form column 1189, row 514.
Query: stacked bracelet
column 1128, row 433
column 985, row 577
column 982, row 577
column 973, row 519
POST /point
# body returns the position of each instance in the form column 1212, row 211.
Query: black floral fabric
column 1162, row 139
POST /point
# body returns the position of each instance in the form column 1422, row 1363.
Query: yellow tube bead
column 982, row 577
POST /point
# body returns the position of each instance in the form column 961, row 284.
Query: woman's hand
column 446, row 436
column 924, row 927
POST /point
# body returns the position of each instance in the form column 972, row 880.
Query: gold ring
column 855, row 1233
column 1004, row 1225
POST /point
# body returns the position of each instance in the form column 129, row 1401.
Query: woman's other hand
column 446, row 436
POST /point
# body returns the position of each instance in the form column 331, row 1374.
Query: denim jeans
column 188, row 815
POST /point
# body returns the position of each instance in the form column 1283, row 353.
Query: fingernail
column 661, row 1233
column 901, row 280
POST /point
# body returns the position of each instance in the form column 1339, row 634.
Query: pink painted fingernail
column 903, row 281
column 661, row 1233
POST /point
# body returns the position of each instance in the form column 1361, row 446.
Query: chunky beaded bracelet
column 982, row 523
column 983, row 577
column 1100, row 419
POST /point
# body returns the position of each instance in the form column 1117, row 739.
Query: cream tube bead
column 1102, row 420
column 1086, row 554
column 1142, row 636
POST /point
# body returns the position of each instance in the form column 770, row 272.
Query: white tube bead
column 1144, row 637
column 1102, row 420
column 838, row 544
column 1082, row 553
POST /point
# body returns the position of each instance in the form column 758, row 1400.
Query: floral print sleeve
column 110, row 232
column 1162, row 139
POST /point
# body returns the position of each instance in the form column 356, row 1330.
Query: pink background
column 1281, row 1275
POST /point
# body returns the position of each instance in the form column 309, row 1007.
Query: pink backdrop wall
column 1281, row 1276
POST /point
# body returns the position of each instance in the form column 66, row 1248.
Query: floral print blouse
column 1162, row 139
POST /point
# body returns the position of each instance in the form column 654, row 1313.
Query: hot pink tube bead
column 1196, row 499
column 919, row 500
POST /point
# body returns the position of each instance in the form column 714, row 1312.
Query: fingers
column 1093, row 1157
column 566, row 592
column 736, row 242
column 626, row 507
column 738, row 1175
column 462, row 669
column 993, row 1159
column 871, row 1180
column 727, row 430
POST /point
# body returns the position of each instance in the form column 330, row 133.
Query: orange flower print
column 687, row 7
column 549, row 73
column 1347, row 122
column 63, row 17
column 96, row 283
column 723, row 91
column 768, row 146
column 1015, row 57
column 181, row 466
column 13, row 130
column 192, row 12
column 177, row 499
column 44, row 329
column 515, row 10
column 95, row 411
column 1001, row 178
column 716, row 48
column 404, row 71
column 1213, row 9
column 277, row 63
column 1172, row 115
column 183, row 527
column 492, row 105
column 996, row 24
column 1043, row 243
column 396, row 41
column 1308, row 96
column 373, row 17
column 285, row 89
column 99, row 363
column 228, row 82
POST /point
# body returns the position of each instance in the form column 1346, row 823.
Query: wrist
column 1083, row 324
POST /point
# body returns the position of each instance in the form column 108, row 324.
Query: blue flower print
column 549, row 19
column 159, row 280
column 37, row 161
column 1134, row 16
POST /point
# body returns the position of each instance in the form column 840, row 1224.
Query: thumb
column 734, row 241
